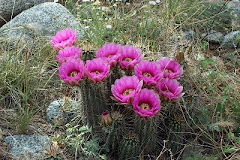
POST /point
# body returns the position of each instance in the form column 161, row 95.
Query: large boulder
column 42, row 20
column 10, row 8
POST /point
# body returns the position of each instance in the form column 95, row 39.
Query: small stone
column 189, row 35
column 234, row 7
column 213, row 37
column 233, row 4
column 231, row 40
column 235, row 18
column 55, row 110
column 27, row 145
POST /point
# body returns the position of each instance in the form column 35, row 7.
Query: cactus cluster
column 138, row 86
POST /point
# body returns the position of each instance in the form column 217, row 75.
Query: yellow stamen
column 168, row 71
column 127, row 92
column 73, row 74
column 146, row 74
column 128, row 59
column 97, row 72
column 145, row 106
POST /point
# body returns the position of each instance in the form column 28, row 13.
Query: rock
column 9, row 9
column 27, row 145
column 231, row 40
column 213, row 37
column 236, row 20
column 234, row 6
column 42, row 20
column 189, row 35
column 55, row 110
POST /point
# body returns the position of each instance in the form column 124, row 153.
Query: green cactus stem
column 130, row 148
column 96, row 96
column 147, row 133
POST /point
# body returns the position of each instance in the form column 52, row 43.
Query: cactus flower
column 69, row 53
column 125, row 88
column 130, row 57
column 149, row 72
column 110, row 53
column 72, row 71
column 106, row 118
column 171, row 68
column 64, row 38
column 170, row 89
column 146, row 103
column 97, row 69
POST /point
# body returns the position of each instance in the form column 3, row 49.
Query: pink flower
column 146, row 103
column 64, row 38
column 97, row 69
column 170, row 89
column 130, row 57
column 125, row 88
column 69, row 53
column 171, row 69
column 72, row 71
column 149, row 72
column 110, row 53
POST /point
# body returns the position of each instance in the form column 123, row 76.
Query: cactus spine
column 147, row 133
column 93, row 97
column 116, row 132
column 129, row 148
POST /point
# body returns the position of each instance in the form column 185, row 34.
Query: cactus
column 116, row 73
column 94, row 103
column 93, row 97
column 130, row 148
column 116, row 132
column 96, row 97
column 176, row 120
column 109, row 121
column 96, row 100
column 147, row 133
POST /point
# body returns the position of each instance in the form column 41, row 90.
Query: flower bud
column 106, row 118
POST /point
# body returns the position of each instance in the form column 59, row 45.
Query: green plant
column 82, row 142
column 24, row 77
column 25, row 114
column 199, row 156
column 204, row 45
